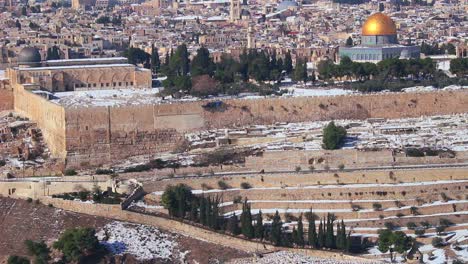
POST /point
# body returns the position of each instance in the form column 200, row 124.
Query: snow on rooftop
column 86, row 59
column 114, row 97
column 76, row 67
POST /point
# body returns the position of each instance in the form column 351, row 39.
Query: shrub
column 444, row 197
column 400, row 215
column 445, row 222
column 377, row 206
column 18, row 260
column 437, row 242
column 29, row 200
column 311, row 168
column 50, row 205
column 70, row 172
column 419, row 232
column 389, row 225
column 425, row 224
column 78, row 244
column 413, row 152
column 440, row 229
column 298, row 168
column 237, row 199
column 341, row 167
column 245, row 185
column 414, row 210
column 223, row 185
column 104, row 171
column 356, row 207
column 411, row 225
column 333, row 136
column 2, row 163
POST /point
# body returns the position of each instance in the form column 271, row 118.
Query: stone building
column 76, row 74
column 379, row 42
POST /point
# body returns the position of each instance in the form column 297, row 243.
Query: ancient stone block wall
column 6, row 99
column 50, row 118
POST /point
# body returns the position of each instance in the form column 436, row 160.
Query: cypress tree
column 203, row 211
column 233, row 225
column 348, row 243
column 321, row 238
column 276, row 230
column 288, row 67
column 246, row 221
column 280, row 65
column 312, row 234
column 155, row 62
column 208, row 212
column 259, row 226
column 343, row 235
column 300, row 232
column 295, row 237
column 339, row 244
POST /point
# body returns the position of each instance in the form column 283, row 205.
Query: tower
column 235, row 10
column 250, row 38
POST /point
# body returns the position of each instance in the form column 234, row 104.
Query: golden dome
column 379, row 24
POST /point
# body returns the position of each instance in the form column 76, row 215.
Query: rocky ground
column 130, row 243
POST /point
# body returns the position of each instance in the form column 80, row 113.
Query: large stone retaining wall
column 91, row 136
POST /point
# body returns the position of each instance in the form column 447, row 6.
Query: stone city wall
column 97, row 135
column 6, row 98
column 50, row 118
column 91, row 136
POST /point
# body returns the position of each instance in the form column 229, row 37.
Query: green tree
column 136, row 55
column 349, row 42
column 39, row 250
column 288, row 67
column 393, row 241
column 202, row 63
column 320, row 236
column 259, row 229
column 78, row 245
column 300, row 232
column 312, row 235
column 333, row 136
column 18, row 260
column 176, row 199
column 459, row 66
column 246, row 221
column 300, row 71
column 18, row 24
column 276, row 230
column 155, row 62
column 233, row 225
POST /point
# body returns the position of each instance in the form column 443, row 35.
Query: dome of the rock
column 379, row 24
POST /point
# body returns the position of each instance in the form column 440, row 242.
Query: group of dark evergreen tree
column 181, row 203
column 78, row 245
column 231, row 75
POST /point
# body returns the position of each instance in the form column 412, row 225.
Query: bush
column 78, row 244
column 29, row 200
column 177, row 199
column 245, row 185
column 440, row 229
column 356, row 207
column 341, row 167
column 2, row 163
column 400, row 215
column 333, row 136
column 18, row 260
column 298, row 168
column 411, row 225
column 311, row 168
column 445, row 222
column 104, row 171
column 389, row 225
column 39, row 250
column 377, row 206
column 70, row 172
column 413, row 152
column 223, row 185
column 237, row 199
column 425, row 224
column 420, row 232
column 437, row 242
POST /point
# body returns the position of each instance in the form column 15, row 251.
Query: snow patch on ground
column 143, row 242
column 289, row 257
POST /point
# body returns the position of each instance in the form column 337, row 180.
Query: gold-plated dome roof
column 379, row 24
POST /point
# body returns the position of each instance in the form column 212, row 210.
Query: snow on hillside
column 143, row 242
column 289, row 257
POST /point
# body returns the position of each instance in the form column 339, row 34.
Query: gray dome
column 29, row 56
column 286, row 4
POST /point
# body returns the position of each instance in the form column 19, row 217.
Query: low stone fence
column 171, row 225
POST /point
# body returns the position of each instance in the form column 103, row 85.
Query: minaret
column 251, row 38
column 235, row 10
